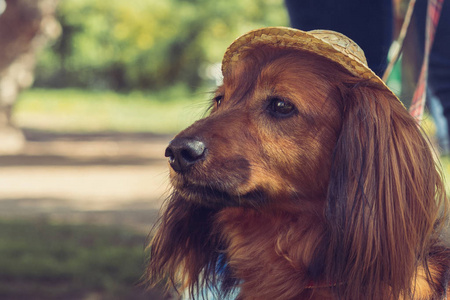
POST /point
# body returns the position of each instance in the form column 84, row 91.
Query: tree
column 147, row 44
column 25, row 26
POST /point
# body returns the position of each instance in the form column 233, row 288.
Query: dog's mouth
column 213, row 197
column 223, row 183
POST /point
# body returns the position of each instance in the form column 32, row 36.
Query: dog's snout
column 185, row 152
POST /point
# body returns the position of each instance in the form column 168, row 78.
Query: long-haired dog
column 308, row 180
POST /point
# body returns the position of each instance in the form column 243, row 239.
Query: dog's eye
column 218, row 100
column 281, row 108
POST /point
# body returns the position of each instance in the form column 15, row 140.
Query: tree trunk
column 25, row 27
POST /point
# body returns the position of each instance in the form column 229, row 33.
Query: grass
column 70, row 110
column 40, row 260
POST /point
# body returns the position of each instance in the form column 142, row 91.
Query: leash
column 397, row 46
column 433, row 13
column 418, row 102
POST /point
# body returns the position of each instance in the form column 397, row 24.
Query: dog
column 308, row 180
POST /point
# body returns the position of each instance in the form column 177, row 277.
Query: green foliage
column 147, row 44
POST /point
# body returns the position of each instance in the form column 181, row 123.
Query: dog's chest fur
column 259, row 244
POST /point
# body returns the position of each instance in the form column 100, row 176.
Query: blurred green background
column 147, row 44
column 78, row 200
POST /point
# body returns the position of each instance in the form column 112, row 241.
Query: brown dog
column 308, row 180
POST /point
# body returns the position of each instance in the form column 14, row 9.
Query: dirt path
column 114, row 179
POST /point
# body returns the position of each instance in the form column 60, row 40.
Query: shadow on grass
column 134, row 215
column 35, row 135
column 41, row 260
column 59, row 160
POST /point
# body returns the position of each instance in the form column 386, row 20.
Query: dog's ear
column 184, row 250
column 381, row 202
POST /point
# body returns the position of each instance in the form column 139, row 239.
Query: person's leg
column 439, row 68
column 369, row 23
column 439, row 61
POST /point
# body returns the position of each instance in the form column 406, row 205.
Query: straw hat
column 326, row 43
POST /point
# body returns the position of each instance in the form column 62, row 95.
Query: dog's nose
column 185, row 152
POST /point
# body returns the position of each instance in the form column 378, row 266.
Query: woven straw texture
column 326, row 43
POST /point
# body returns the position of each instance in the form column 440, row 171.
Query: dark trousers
column 368, row 22
column 439, row 64
column 439, row 68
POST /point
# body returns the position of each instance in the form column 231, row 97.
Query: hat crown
column 327, row 43
column 341, row 43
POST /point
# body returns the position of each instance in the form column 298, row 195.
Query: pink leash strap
column 419, row 97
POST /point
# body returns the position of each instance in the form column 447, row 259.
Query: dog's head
column 295, row 132
column 269, row 137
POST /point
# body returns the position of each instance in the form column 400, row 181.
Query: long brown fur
column 341, row 200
